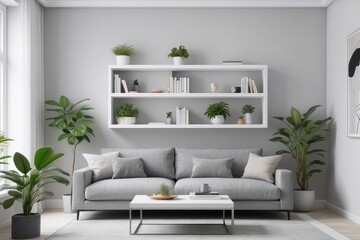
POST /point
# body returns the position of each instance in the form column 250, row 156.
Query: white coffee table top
column 181, row 202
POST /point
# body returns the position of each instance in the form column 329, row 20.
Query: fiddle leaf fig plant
column 3, row 144
column 298, row 137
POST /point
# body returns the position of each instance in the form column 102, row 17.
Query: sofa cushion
column 236, row 188
column 158, row 162
column 124, row 189
column 128, row 168
column 101, row 165
column 183, row 156
column 212, row 167
column 262, row 168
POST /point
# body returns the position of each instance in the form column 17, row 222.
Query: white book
column 246, row 85
column 254, row 86
column 187, row 85
column 251, row 86
column 125, row 86
column 242, row 84
column 183, row 115
column 171, row 85
column 177, row 115
column 187, row 117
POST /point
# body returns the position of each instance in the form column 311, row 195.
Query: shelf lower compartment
column 175, row 126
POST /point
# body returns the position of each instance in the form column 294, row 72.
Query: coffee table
column 181, row 202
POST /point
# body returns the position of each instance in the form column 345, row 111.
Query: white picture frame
column 353, row 85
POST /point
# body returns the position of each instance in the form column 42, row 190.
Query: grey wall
column 343, row 20
column 290, row 41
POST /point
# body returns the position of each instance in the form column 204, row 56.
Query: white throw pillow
column 101, row 165
column 262, row 168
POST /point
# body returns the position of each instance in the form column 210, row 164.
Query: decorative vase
column 126, row 120
column 67, row 203
column 168, row 120
column 178, row 60
column 213, row 87
column 248, row 119
column 122, row 60
column 240, row 121
column 24, row 227
column 135, row 87
column 218, row 119
column 304, row 200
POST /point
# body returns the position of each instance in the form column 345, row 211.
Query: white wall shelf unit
column 153, row 106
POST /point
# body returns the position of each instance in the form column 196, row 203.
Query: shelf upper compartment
column 187, row 95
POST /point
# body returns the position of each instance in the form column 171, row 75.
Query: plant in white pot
column 169, row 116
column 3, row 143
column 179, row 54
column 218, row 112
column 126, row 114
column 73, row 122
column 247, row 110
column 123, row 53
column 27, row 188
column 298, row 136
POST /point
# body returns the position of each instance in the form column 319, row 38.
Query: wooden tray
column 162, row 197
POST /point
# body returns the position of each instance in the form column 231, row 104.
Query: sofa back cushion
column 158, row 162
column 184, row 165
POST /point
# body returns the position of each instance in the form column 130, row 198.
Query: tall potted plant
column 123, row 53
column 217, row 112
column 27, row 188
column 179, row 54
column 73, row 123
column 298, row 136
column 3, row 143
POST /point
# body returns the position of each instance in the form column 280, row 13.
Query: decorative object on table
column 123, row 53
column 354, row 85
column 27, row 189
column 178, row 55
column 3, row 144
column 164, row 193
column 213, row 87
column 205, row 188
column 169, row 117
column 74, row 122
column 157, row 90
column 233, row 88
column 204, row 196
column 298, row 136
column 247, row 110
column 126, row 114
column 218, row 112
column 237, row 89
column 135, row 87
column 240, row 120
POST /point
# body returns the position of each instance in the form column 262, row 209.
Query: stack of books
column 179, row 85
column 248, row 85
column 204, row 195
column 182, row 115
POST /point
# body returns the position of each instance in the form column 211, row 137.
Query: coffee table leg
column 232, row 217
column 130, row 221
column 141, row 216
column 224, row 217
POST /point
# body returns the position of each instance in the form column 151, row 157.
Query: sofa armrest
column 81, row 179
column 284, row 180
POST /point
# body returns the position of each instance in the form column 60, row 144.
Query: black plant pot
column 23, row 227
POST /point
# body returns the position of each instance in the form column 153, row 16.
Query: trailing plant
column 73, row 123
column 28, row 184
column 169, row 115
column 248, row 109
column 3, row 144
column 123, row 49
column 219, row 108
column 298, row 136
column 179, row 52
column 164, row 190
column 127, row 110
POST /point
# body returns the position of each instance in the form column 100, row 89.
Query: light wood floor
column 52, row 220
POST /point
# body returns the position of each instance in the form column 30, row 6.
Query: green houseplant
column 123, row 53
column 169, row 116
column 218, row 112
column 126, row 114
column 179, row 54
column 247, row 110
column 3, row 143
column 27, row 188
column 299, row 137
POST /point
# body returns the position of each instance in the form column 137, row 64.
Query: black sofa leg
column 77, row 214
column 288, row 214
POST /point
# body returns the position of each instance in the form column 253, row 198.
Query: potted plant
column 169, row 117
column 247, row 110
column 217, row 112
column 73, row 123
column 27, row 189
column 123, row 53
column 3, row 143
column 126, row 114
column 179, row 54
column 298, row 136
column 240, row 120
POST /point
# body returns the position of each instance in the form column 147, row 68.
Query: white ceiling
column 185, row 3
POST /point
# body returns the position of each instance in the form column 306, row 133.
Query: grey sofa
column 173, row 166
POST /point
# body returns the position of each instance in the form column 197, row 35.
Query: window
column 2, row 68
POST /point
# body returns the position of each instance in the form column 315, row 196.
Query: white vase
column 218, row 119
column 178, row 60
column 67, row 204
column 304, row 200
column 168, row 121
column 213, row 87
column 248, row 119
column 122, row 60
column 126, row 120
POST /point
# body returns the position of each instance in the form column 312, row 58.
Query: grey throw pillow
column 220, row 168
column 101, row 165
column 262, row 168
column 128, row 168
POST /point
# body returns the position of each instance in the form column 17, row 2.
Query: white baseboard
column 54, row 204
column 343, row 213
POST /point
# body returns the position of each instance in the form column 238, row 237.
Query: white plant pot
column 126, row 120
column 67, row 204
column 304, row 200
column 248, row 119
column 122, row 60
column 218, row 119
column 169, row 121
column 178, row 60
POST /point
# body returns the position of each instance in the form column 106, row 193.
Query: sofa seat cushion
column 236, row 188
column 125, row 189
